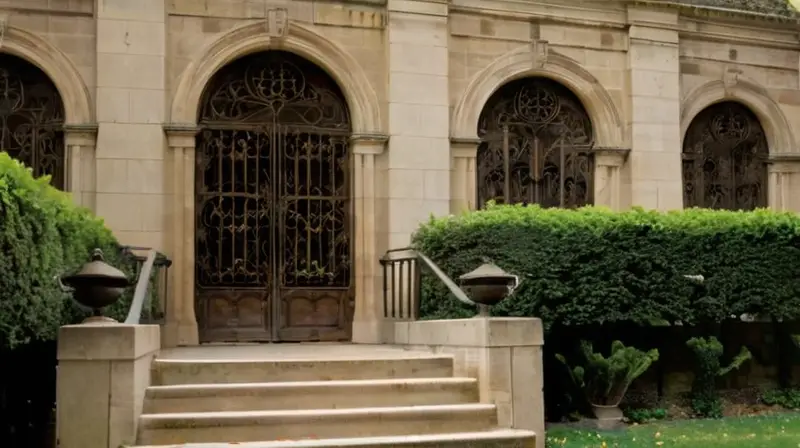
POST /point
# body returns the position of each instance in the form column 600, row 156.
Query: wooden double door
column 273, row 225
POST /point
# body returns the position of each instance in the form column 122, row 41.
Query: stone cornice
column 717, row 12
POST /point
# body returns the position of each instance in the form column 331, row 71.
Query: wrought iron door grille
column 724, row 159
column 273, row 226
column 31, row 119
column 536, row 142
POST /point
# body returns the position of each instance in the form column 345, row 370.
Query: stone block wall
column 416, row 75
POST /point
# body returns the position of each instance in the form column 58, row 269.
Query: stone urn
column 97, row 285
column 488, row 285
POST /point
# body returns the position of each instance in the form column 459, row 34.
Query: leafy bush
column 42, row 235
column 786, row 398
column 592, row 266
column 645, row 415
column 708, row 352
column 604, row 381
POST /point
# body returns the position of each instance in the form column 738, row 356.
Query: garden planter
column 608, row 417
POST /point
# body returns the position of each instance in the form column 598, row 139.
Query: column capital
column 788, row 162
column 80, row 134
column 464, row 147
column 181, row 135
column 607, row 156
column 368, row 143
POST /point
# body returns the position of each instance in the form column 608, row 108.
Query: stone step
column 178, row 371
column 161, row 429
column 489, row 439
column 310, row 395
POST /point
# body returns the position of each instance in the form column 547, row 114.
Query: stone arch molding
column 749, row 93
column 520, row 63
column 55, row 64
column 341, row 66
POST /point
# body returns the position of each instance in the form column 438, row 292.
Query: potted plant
column 604, row 381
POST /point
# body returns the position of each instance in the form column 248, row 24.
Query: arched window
column 724, row 159
column 31, row 118
column 536, row 140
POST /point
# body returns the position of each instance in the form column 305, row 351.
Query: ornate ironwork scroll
column 272, row 202
column 536, row 141
column 724, row 159
column 31, row 118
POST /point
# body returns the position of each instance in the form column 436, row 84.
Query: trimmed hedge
column 43, row 235
column 592, row 266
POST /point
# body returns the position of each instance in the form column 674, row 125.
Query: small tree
column 604, row 381
column 708, row 367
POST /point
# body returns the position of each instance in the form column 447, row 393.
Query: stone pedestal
column 103, row 371
column 504, row 354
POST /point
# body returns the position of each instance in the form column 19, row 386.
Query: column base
column 178, row 334
column 369, row 331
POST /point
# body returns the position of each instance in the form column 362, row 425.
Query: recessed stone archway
column 366, row 144
column 749, row 93
column 341, row 66
column 80, row 129
column 57, row 66
column 609, row 139
column 607, row 120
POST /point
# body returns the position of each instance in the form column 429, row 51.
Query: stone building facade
column 275, row 149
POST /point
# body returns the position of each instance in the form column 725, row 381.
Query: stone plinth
column 103, row 371
column 504, row 354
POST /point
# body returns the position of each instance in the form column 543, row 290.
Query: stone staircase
column 400, row 401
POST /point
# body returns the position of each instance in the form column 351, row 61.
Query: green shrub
column 604, row 381
column 708, row 367
column 42, row 235
column 592, row 266
column 786, row 398
column 644, row 415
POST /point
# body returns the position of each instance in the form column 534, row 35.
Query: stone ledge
column 474, row 332
column 107, row 341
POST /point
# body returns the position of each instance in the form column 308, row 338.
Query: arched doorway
column 536, row 141
column 32, row 119
column 725, row 159
column 273, row 246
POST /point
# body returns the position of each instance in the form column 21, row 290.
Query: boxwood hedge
column 43, row 235
column 593, row 266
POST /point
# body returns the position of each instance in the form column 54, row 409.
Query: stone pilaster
column 784, row 178
column 418, row 165
column 653, row 61
column 181, row 325
column 367, row 320
column 608, row 176
column 130, row 97
column 463, row 193
column 80, row 142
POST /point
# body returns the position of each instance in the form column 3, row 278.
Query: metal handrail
column 394, row 296
column 140, row 293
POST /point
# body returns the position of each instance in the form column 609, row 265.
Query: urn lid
column 486, row 271
column 98, row 269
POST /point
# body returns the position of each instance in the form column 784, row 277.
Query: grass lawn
column 770, row 431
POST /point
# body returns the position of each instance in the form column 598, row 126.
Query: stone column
column 418, row 171
column 80, row 142
column 653, row 61
column 103, row 371
column 784, row 173
column 463, row 191
column 608, row 176
column 367, row 321
column 181, row 325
